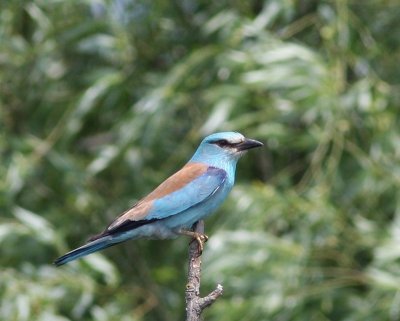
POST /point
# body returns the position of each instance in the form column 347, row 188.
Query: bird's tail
column 94, row 246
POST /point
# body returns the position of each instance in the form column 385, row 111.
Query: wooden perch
column 194, row 303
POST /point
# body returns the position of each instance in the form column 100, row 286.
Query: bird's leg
column 199, row 237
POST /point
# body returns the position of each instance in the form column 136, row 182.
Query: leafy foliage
column 101, row 100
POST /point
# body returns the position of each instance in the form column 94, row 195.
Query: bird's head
column 223, row 147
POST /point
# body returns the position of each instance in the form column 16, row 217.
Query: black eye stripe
column 223, row 143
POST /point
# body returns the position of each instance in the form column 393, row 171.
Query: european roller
column 189, row 195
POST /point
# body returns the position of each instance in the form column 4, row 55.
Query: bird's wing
column 193, row 184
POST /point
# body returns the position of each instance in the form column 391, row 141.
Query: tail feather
column 84, row 250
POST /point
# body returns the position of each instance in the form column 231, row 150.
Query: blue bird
column 190, row 195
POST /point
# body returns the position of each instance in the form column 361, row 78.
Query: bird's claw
column 200, row 239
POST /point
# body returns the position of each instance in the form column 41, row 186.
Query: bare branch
column 211, row 297
column 194, row 303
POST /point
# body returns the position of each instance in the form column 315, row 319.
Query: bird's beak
column 249, row 143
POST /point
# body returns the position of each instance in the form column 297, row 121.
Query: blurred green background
column 102, row 100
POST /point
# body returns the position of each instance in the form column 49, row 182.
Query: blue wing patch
column 190, row 195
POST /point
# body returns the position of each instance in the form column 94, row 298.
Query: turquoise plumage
column 190, row 195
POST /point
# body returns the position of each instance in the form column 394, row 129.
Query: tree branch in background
column 194, row 303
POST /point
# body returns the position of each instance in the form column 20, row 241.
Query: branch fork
column 194, row 303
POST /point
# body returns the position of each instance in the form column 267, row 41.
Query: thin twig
column 194, row 303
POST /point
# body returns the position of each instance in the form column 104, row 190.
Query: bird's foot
column 198, row 237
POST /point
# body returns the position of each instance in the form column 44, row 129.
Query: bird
column 191, row 194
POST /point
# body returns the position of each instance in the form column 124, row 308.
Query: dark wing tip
column 128, row 225
column 97, row 236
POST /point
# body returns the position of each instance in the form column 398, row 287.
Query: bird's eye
column 221, row 143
